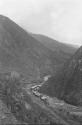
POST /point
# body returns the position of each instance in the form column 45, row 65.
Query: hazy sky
column 60, row 19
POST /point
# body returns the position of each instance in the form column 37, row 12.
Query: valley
column 40, row 78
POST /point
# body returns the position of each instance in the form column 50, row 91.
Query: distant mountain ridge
column 54, row 44
column 61, row 50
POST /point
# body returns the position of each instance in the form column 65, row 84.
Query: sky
column 59, row 19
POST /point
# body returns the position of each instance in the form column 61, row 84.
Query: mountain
column 21, row 52
column 67, row 84
column 63, row 50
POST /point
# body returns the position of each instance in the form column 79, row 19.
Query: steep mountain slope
column 67, row 84
column 62, row 50
column 21, row 52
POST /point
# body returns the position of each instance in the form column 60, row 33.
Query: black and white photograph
column 40, row 62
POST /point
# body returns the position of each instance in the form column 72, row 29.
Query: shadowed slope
column 67, row 84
